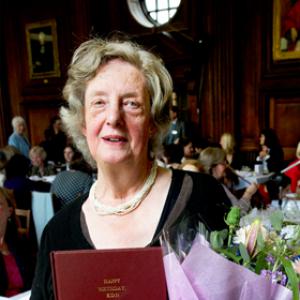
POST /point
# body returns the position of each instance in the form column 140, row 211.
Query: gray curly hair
column 86, row 61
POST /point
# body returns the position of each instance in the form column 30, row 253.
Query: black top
column 22, row 252
column 193, row 196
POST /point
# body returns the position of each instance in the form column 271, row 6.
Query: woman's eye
column 131, row 104
column 99, row 102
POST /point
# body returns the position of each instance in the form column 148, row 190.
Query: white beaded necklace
column 127, row 207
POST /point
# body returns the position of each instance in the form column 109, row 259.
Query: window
column 153, row 13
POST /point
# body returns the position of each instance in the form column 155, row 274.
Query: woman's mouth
column 114, row 139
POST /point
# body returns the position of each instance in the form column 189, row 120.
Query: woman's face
column 262, row 139
column 117, row 114
column 57, row 125
column 219, row 170
column 223, row 142
column 68, row 154
column 189, row 150
column 20, row 128
column 36, row 159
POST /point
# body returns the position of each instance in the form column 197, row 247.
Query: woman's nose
column 114, row 115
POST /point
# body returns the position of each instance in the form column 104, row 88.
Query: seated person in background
column 5, row 155
column 16, row 171
column 228, row 144
column 272, row 158
column 16, row 263
column 55, row 141
column 188, row 149
column 271, row 153
column 213, row 160
column 40, row 167
column 70, row 184
column 294, row 173
column 69, row 155
column 18, row 138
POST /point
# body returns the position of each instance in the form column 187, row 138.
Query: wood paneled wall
column 218, row 52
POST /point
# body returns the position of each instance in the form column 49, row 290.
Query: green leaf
column 276, row 219
column 292, row 276
column 260, row 243
column 217, row 238
column 230, row 254
column 244, row 253
column 261, row 263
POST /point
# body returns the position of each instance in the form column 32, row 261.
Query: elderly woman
column 118, row 97
column 18, row 138
column 40, row 167
column 214, row 162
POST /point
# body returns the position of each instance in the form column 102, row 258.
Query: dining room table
column 246, row 178
column 42, row 207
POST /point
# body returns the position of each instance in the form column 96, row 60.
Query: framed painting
column 286, row 29
column 42, row 49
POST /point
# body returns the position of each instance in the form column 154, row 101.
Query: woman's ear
column 83, row 130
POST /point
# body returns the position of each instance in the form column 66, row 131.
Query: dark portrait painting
column 42, row 49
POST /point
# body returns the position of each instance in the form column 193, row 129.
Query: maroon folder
column 133, row 274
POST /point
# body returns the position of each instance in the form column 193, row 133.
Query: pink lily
column 252, row 237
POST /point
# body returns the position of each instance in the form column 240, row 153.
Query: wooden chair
column 23, row 220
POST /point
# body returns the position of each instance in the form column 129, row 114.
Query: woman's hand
column 250, row 191
column 264, row 152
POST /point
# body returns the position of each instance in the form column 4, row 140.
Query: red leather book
column 133, row 274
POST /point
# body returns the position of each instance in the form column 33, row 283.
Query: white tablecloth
column 42, row 212
column 251, row 177
column 21, row 296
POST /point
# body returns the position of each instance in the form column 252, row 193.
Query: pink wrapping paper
column 206, row 275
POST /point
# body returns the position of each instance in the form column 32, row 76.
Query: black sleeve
column 42, row 284
column 209, row 200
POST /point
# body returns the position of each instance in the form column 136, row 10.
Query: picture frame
column 286, row 38
column 42, row 49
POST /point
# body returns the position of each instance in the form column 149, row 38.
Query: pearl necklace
column 127, row 207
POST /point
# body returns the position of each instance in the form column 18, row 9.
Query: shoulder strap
column 181, row 202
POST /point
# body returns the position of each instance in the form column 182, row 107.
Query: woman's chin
column 112, row 160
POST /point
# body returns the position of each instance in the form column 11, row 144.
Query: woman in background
column 18, row 138
column 69, row 155
column 214, row 162
column 16, row 171
column 271, row 153
column 272, row 158
column 40, row 167
column 16, row 264
column 55, row 141
column 228, row 144
column 188, row 149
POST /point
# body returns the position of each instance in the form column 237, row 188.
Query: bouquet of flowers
column 255, row 258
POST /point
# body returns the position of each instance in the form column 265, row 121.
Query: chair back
column 23, row 221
